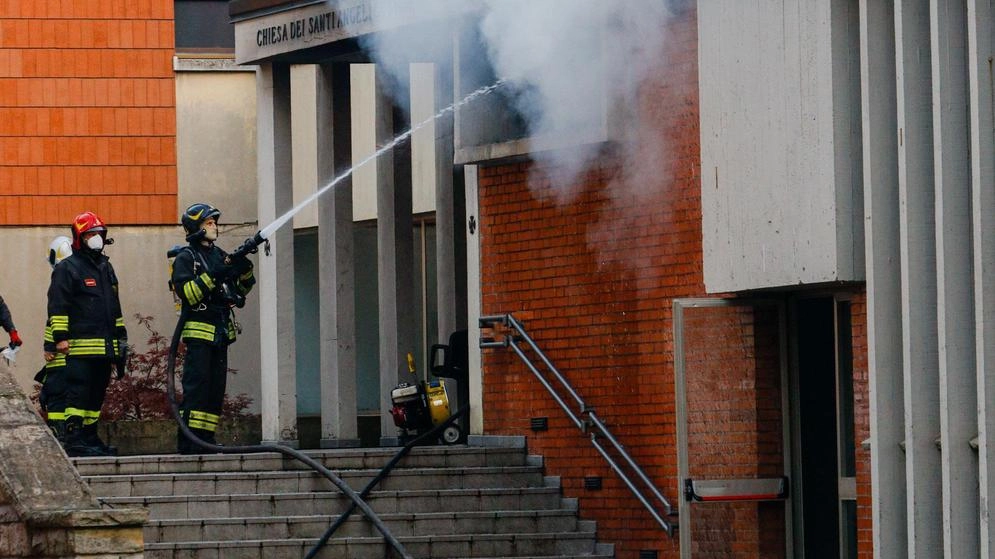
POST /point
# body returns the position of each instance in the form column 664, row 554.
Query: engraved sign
column 263, row 37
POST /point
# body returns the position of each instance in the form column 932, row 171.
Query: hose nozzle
column 250, row 246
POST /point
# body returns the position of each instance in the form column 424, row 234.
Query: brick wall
column 733, row 388
column 862, row 425
column 594, row 278
column 87, row 111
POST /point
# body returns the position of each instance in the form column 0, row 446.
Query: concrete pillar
column 473, row 301
column 373, row 125
column 884, row 329
column 336, row 273
column 917, row 241
column 981, row 50
column 954, row 262
column 276, row 272
column 433, row 145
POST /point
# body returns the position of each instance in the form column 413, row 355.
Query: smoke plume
column 574, row 71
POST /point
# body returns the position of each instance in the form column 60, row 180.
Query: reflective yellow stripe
column 202, row 425
column 119, row 321
column 192, row 291
column 60, row 323
column 202, row 420
column 56, row 416
column 88, row 346
column 198, row 330
column 205, row 416
column 59, row 361
column 48, row 333
column 89, row 416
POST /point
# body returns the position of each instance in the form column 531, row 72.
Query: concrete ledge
column 98, row 532
column 496, row 441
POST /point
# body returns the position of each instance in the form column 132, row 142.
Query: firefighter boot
column 76, row 443
column 183, row 445
column 58, row 429
column 93, row 438
column 193, row 448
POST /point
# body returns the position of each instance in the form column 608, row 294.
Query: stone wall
column 46, row 510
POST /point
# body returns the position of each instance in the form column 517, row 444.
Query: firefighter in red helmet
column 84, row 312
column 209, row 284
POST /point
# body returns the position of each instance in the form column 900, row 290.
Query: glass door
column 732, row 428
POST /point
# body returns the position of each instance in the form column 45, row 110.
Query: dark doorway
column 816, row 343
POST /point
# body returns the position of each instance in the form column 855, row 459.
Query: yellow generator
column 420, row 406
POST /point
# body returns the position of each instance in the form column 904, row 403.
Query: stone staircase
column 458, row 502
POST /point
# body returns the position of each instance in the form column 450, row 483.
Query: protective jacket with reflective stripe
column 84, row 308
column 196, row 271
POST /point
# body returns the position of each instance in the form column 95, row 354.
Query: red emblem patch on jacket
column 90, row 282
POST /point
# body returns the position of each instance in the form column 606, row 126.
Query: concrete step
column 560, row 544
column 465, row 502
column 400, row 525
column 308, row 503
column 225, row 483
column 339, row 459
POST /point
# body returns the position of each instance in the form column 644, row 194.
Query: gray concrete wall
column 780, row 155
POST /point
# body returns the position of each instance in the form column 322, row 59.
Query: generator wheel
column 451, row 435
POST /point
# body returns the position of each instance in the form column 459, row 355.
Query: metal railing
column 585, row 419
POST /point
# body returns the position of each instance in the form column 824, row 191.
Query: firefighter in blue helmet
column 209, row 284
column 84, row 313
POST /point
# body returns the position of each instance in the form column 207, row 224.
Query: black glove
column 223, row 273
column 241, row 265
column 122, row 362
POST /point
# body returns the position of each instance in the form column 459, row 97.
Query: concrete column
column 276, row 271
column 336, row 273
column 884, row 328
column 917, row 241
column 395, row 260
column 954, row 262
column 428, row 97
column 473, row 301
column 981, row 50
column 432, row 162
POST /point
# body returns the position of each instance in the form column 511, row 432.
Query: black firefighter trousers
column 205, row 375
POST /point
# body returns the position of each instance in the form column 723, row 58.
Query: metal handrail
column 585, row 419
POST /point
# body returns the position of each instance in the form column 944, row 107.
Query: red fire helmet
column 84, row 223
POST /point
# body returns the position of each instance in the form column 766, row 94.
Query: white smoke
column 574, row 67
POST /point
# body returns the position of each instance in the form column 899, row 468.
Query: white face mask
column 211, row 231
column 96, row 243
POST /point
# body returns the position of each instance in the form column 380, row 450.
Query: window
column 203, row 26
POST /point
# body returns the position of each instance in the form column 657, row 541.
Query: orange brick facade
column 87, row 111
column 594, row 280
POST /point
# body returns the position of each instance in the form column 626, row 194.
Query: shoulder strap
column 198, row 259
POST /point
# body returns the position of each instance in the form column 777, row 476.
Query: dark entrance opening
column 816, row 345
